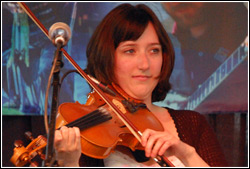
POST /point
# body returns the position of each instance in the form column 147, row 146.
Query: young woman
column 131, row 49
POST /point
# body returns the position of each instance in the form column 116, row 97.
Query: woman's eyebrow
column 134, row 44
column 128, row 44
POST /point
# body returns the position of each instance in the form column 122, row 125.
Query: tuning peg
column 18, row 143
column 28, row 135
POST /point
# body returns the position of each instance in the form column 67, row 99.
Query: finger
column 164, row 148
column 71, row 137
column 65, row 135
column 145, row 135
column 157, row 146
column 57, row 138
column 78, row 137
column 150, row 143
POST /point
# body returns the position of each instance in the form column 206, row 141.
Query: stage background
column 210, row 75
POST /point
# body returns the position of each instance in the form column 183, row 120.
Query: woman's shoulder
column 189, row 124
column 188, row 120
column 185, row 114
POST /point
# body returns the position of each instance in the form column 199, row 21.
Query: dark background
column 230, row 129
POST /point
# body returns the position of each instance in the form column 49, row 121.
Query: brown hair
column 127, row 22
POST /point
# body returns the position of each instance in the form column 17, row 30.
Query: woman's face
column 138, row 64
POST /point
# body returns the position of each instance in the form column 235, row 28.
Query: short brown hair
column 127, row 22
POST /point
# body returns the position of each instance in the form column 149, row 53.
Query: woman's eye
column 156, row 50
column 130, row 51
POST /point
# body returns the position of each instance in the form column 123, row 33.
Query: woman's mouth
column 141, row 77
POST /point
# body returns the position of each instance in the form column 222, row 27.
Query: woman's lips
column 141, row 77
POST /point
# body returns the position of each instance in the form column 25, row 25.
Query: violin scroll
column 23, row 155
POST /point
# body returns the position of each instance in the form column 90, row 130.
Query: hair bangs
column 131, row 27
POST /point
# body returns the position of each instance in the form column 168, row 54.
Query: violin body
column 101, row 139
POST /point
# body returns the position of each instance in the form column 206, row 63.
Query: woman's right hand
column 163, row 142
column 67, row 144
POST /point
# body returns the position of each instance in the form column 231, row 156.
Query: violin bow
column 133, row 129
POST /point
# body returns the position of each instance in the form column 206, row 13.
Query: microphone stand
column 50, row 155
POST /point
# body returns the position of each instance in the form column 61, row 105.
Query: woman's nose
column 143, row 61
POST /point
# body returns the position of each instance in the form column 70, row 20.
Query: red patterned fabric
column 194, row 130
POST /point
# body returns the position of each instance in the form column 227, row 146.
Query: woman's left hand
column 67, row 144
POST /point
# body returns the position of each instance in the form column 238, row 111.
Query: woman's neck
column 154, row 108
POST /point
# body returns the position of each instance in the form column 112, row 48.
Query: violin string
column 98, row 121
column 85, row 122
column 82, row 119
column 85, row 118
column 99, row 118
column 91, row 119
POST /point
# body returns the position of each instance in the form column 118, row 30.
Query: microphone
column 59, row 33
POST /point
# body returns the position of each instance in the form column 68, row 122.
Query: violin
column 116, row 119
column 101, row 129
